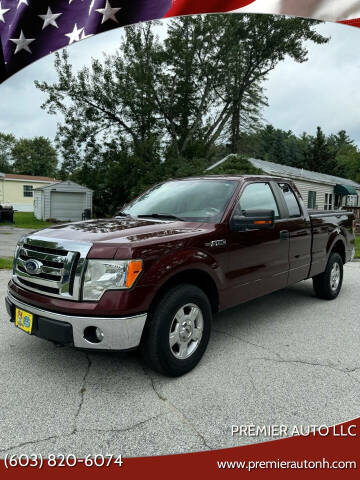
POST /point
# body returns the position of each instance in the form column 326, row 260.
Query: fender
column 164, row 268
column 333, row 239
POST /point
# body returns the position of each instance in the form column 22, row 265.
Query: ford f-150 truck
column 153, row 276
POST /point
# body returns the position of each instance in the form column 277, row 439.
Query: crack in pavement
column 74, row 429
column 260, row 393
column 85, row 430
column 333, row 366
column 31, row 442
column 241, row 339
column 171, row 405
column 347, row 370
column 82, row 393
column 281, row 359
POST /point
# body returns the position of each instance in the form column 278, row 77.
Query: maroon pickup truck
column 153, row 276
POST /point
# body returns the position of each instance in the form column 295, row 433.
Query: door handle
column 284, row 234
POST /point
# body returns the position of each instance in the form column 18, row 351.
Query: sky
column 323, row 91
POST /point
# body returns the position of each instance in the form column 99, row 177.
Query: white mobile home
column 63, row 201
column 319, row 191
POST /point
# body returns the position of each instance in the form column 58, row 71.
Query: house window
column 311, row 199
column 338, row 201
column 328, row 201
column 28, row 191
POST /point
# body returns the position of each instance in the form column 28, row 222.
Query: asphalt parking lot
column 9, row 237
column 288, row 358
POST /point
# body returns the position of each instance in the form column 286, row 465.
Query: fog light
column 93, row 335
column 99, row 334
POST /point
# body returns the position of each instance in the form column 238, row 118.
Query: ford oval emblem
column 33, row 267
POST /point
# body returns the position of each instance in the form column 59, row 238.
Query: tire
column 328, row 284
column 178, row 331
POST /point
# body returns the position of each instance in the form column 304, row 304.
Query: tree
column 215, row 68
column 321, row 158
column 7, row 142
column 109, row 104
column 168, row 105
column 178, row 97
column 348, row 162
column 256, row 44
column 35, row 156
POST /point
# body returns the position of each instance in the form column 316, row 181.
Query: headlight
column 103, row 275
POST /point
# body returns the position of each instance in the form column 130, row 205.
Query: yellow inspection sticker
column 24, row 320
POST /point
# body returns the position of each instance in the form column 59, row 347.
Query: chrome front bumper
column 120, row 333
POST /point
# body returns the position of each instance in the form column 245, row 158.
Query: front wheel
column 178, row 331
column 328, row 284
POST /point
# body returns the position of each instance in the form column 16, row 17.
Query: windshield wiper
column 164, row 216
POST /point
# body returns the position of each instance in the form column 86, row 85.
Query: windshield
column 188, row 200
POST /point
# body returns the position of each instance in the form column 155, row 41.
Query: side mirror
column 253, row 220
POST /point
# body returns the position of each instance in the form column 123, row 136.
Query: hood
column 124, row 230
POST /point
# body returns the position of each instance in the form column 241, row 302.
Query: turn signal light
column 134, row 270
column 263, row 222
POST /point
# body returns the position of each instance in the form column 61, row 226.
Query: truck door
column 258, row 259
column 299, row 228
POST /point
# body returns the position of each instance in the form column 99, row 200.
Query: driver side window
column 257, row 196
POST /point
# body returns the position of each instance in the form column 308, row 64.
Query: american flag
column 31, row 29
column 345, row 11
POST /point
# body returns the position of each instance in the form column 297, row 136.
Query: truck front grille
column 60, row 266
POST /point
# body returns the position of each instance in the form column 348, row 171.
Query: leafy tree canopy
column 35, row 156
column 164, row 108
column 7, row 142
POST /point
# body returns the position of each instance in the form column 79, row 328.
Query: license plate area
column 24, row 320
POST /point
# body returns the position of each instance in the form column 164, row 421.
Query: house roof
column 12, row 176
column 277, row 169
column 285, row 171
column 66, row 182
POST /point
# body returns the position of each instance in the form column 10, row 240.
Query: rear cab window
column 290, row 200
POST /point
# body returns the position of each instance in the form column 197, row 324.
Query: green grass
column 27, row 220
column 357, row 247
column 6, row 263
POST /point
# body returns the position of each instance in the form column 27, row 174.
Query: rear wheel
column 328, row 284
column 178, row 331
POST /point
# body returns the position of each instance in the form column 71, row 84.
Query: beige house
column 18, row 190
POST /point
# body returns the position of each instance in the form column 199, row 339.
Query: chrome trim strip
column 37, row 280
column 42, row 256
column 120, row 333
column 36, row 290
